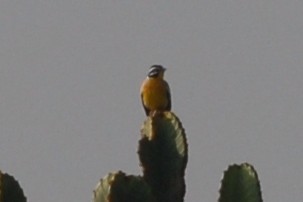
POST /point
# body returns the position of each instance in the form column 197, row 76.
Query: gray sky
column 70, row 73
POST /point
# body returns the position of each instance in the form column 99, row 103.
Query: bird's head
column 156, row 71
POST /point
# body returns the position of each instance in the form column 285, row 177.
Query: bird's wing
column 145, row 108
column 168, row 107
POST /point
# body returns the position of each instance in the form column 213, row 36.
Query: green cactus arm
column 118, row 187
column 10, row 189
column 163, row 156
column 240, row 183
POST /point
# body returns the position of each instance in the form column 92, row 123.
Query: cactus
column 118, row 187
column 240, row 184
column 10, row 189
column 163, row 156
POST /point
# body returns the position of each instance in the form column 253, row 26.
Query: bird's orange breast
column 154, row 94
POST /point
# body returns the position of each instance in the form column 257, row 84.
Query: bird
column 155, row 91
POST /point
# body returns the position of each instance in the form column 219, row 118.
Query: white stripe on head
column 155, row 70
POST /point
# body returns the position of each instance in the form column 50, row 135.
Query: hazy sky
column 70, row 73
